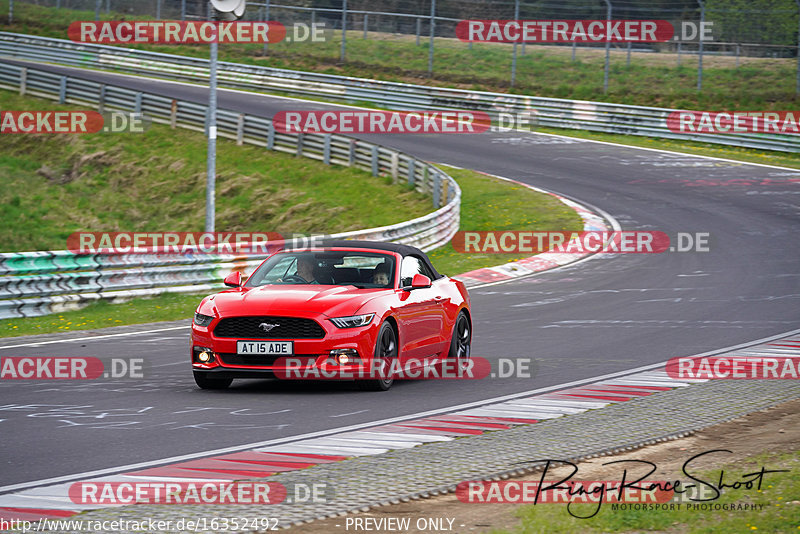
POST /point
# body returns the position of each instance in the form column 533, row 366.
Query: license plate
column 271, row 348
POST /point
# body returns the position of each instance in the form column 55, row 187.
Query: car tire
column 206, row 382
column 386, row 350
column 461, row 342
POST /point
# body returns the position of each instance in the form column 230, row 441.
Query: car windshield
column 340, row 268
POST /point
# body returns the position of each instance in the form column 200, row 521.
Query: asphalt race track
column 600, row 316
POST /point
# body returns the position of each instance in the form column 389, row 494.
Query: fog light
column 203, row 355
column 344, row 356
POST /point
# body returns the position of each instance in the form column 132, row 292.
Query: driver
column 380, row 276
column 305, row 270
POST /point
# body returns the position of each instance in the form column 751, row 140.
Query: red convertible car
column 348, row 309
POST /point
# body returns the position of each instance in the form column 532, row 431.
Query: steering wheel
column 295, row 279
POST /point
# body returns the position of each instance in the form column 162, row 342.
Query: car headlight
column 353, row 321
column 202, row 320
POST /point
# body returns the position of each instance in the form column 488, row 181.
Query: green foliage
column 754, row 21
column 55, row 185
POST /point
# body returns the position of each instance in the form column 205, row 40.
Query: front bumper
column 309, row 354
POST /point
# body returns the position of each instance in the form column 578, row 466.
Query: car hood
column 333, row 301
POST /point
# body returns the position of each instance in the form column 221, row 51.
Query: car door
column 421, row 313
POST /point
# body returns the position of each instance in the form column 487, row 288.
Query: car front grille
column 256, row 360
column 288, row 328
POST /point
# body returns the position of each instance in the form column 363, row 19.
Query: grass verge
column 780, row 511
column 102, row 314
column 55, row 185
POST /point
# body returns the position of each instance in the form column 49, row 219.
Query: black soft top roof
column 403, row 250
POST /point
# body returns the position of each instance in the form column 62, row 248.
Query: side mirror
column 233, row 280
column 420, row 281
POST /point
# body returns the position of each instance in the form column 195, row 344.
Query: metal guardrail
column 553, row 112
column 38, row 283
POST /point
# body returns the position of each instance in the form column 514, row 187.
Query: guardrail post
column 366, row 23
column 375, row 166
column 138, row 104
column 313, row 17
column 738, row 52
column 679, row 53
column 351, row 158
column 97, row 9
column 158, row 9
column 574, row 45
column 300, row 144
column 240, row 129
column 344, row 31
column 419, row 28
column 437, row 190
column 270, row 136
column 608, row 48
column 23, row 80
column 266, row 19
column 630, row 45
column 62, row 90
column 58, row 4
column 183, row 9
column 101, row 105
column 173, row 115
column 433, row 34
column 514, row 47
column 11, row 12
column 426, row 173
column 412, row 169
column 108, row 7
column 700, row 42
column 395, row 166
column 797, row 87
column 211, row 130
column 326, row 150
